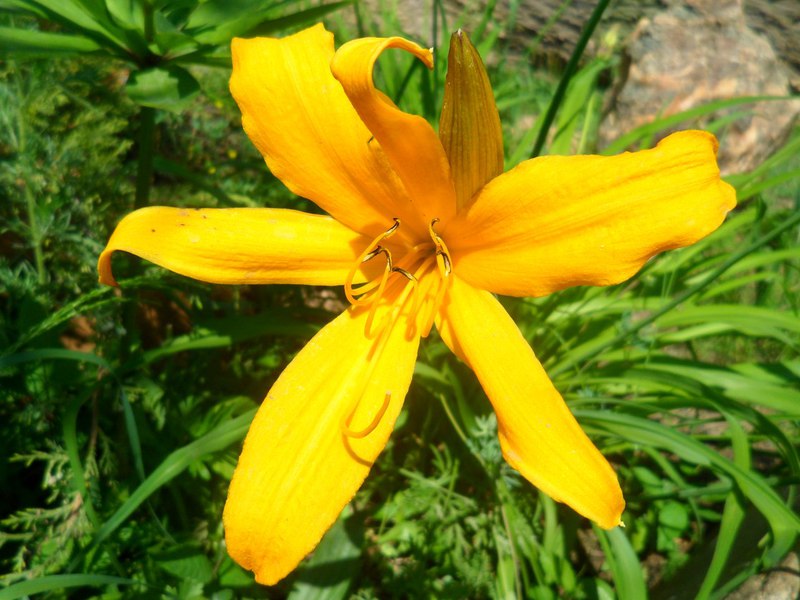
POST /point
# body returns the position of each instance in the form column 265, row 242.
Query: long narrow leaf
column 41, row 43
column 732, row 517
column 58, row 583
column 220, row 438
column 649, row 129
column 784, row 523
column 624, row 564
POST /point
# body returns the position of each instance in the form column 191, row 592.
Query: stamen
column 443, row 262
column 352, row 292
column 389, row 232
column 431, row 317
column 372, row 425
column 370, row 252
column 418, row 298
column 442, row 252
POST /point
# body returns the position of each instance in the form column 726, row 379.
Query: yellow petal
column 557, row 221
column 312, row 139
column 538, row 434
column 409, row 142
column 298, row 469
column 469, row 126
column 238, row 245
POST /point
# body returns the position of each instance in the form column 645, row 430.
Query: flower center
column 415, row 283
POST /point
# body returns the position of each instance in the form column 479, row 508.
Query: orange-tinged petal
column 469, row 126
column 409, row 142
column 556, row 221
column 311, row 137
column 298, row 469
column 238, row 245
column 538, row 434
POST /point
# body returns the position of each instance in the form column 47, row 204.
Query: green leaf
column 623, row 562
column 90, row 18
column 171, row 41
column 69, row 424
column 732, row 516
column 128, row 14
column 779, row 394
column 52, row 354
column 223, row 333
column 299, row 19
column 649, row 129
column 41, row 43
column 580, row 89
column 217, row 21
column 168, row 88
column 23, row 6
column 186, row 562
column 674, row 515
column 783, row 522
column 230, row 432
column 336, row 562
column 229, row 574
column 757, row 321
column 53, row 583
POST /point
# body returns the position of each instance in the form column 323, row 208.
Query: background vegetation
column 123, row 412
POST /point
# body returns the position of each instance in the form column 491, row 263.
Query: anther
column 373, row 254
column 391, row 229
column 404, row 273
column 442, row 252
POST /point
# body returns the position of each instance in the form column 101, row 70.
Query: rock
column 695, row 52
column 778, row 584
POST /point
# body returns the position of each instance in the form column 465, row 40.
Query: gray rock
column 781, row 583
column 698, row 51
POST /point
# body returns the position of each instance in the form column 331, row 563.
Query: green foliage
column 123, row 412
column 157, row 38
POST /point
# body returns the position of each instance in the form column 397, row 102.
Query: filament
column 374, row 299
column 370, row 252
column 442, row 252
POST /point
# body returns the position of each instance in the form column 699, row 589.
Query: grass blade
column 624, row 564
column 218, row 439
column 58, row 583
column 569, row 70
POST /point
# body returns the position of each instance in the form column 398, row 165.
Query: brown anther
column 404, row 273
column 445, row 265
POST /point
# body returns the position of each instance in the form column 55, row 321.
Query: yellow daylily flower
column 423, row 229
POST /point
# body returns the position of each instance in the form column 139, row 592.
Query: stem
column 569, row 71
column 30, row 199
column 36, row 234
column 144, row 176
column 587, row 121
column 144, row 172
column 148, row 21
